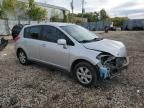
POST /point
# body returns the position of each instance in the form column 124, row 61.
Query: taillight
column 17, row 38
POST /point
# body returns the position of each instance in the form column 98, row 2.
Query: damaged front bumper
column 110, row 72
column 125, row 65
column 120, row 69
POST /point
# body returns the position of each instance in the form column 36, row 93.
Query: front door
column 50, row 51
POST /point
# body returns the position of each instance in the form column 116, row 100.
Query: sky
column 134, row 9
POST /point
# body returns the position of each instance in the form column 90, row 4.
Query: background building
column 53, row 11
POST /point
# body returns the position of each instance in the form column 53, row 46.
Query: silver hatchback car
column 72, row 48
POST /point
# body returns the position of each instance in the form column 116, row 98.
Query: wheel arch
column 75, row 62
column 18, row 49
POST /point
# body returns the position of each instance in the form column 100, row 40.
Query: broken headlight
column 104, row 57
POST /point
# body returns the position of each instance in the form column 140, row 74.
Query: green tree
column 9, row 6
column 118, row 21
column 97, row 16
column 56, row 16
column 65, row 16
column 1, row 11
column 91, row 16
column 35, row 12
column 103, row 15
column 12, row 7
column 21, row 10
column 32, row 4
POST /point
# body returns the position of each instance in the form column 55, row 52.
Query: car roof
column 51, row 24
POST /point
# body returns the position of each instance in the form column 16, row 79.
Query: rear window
column 32, row 32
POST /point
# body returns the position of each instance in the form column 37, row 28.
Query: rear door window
column 33, row 32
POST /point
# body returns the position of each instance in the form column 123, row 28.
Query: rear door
column 32, row 37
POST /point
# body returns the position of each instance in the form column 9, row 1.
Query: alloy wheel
column 84, row 75
column 22, row 57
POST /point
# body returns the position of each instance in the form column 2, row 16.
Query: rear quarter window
column 27, row 32
column 32, row 32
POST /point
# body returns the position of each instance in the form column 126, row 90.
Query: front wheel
column 85, row 73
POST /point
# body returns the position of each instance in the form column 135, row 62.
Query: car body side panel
column 79, row 52
column 55, row 54
column 20, row 45
column 32, row 47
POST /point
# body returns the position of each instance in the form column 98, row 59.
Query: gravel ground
column 38, row 86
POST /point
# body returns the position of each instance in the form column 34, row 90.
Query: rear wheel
column 22, row 57
column 85, row 73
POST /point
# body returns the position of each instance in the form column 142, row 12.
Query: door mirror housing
column 61, row 42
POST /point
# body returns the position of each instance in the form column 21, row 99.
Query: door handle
column 43, row 45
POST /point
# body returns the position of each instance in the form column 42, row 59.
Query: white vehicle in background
column 72, row 48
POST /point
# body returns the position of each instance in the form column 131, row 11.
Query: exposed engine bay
column 110, row 64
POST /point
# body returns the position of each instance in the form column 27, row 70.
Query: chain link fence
column 96, row 26
column 133, row 24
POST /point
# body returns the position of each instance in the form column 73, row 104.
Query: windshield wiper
column 84, row 41
column 95, row 39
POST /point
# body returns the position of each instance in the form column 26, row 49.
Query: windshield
column 79, row 33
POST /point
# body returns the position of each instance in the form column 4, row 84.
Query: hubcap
column 22, row 57
column 84, row 75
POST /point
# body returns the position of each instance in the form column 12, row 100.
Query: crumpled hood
column 115, row 48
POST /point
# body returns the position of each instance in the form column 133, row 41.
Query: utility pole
column 83, row 10
column 72, row 8
column 83, row 6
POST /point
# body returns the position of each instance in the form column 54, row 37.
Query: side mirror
column 61, row 42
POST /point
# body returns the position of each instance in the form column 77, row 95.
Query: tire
column 22, row 57
column 85, row 74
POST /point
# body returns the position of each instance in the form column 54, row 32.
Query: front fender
column 88, row 55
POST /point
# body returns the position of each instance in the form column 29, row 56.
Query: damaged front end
column 110, row 65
